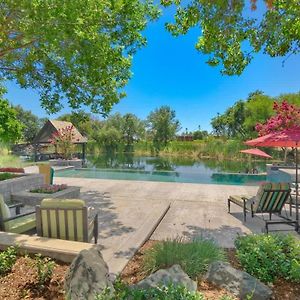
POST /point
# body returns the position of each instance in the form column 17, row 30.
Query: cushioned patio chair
column 20, row 223
column 67, row 219
column 270, row 199
column 48, row 173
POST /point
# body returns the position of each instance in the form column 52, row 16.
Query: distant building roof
column 54, row 126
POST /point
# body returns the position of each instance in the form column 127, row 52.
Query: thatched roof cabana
column 53, row 126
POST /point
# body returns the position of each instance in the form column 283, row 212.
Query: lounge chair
column 20, row 223
column 48, row 173
column 66, row 219
column 270, row 199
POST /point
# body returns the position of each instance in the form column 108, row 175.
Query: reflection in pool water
column 129, row 167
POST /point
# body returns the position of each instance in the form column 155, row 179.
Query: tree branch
column 5, row 51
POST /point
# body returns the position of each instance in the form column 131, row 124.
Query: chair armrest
column 17, row 206
column 92, row 212
column 18, row 216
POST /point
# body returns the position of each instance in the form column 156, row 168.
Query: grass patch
column 5, row 176
column 193, row 257
column 268, row 257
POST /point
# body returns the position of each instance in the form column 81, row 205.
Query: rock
column 87, row 276
column 174, row 275
column 237, row 282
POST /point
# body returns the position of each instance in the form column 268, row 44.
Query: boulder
column 237, row 282
column 87, row 276
column 174, row 275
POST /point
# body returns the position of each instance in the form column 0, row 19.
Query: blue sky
column 169, row 71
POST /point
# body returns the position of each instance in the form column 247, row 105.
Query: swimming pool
column 165, row 176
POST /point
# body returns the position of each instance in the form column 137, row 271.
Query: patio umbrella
column 256, row 152
column 284, row 138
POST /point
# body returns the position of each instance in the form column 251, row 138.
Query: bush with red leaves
column 12, row 170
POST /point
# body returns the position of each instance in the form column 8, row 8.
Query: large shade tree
column 10, row 127
column 79, row 51
column 31, row 123
column 162, row 126
column 231, row 34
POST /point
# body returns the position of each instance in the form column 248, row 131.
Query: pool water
column 126, row 166
column 165, row 176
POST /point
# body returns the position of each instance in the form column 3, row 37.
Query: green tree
column 231, row 122
column 199, row 134
column 10, row 126
column 75, row 50
column 31, row 123
column 291, row 98
column 132, row 131
column 109, row 139
column 218, row 124
column 231, row 35
column 258, row 108
column 162, row 126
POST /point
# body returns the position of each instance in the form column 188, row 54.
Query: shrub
column 7, row 260
column 171, row 292
column 45, row 268
column 194, row 257
column 270, row 256
column 5, row 176
column 12, row 170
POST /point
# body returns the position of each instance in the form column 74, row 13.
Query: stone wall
column 22, row 183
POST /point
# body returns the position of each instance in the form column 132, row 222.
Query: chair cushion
column 238, row 200
column 62, row 203
column 5, row 212
column 265, row 187
column 21, row 224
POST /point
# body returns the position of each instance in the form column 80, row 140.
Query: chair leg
column 96, row 229
column 244, row 210
column 270, row 216
column 228, row 205
column 252, row 212
column 267, row 228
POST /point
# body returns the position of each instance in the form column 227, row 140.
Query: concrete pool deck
column 195, row 210
column 130, row 212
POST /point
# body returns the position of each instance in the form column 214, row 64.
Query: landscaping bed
column 31, row 277
column 35, row 196
column 134, row 272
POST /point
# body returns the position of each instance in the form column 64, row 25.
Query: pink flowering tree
column 286, row 116
column 63, row 140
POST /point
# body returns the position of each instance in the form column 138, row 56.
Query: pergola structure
column 53, row 126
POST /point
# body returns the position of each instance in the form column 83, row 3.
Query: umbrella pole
column 297, row 208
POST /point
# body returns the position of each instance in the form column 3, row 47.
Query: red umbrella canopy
column 257, row 152
column 284, row 138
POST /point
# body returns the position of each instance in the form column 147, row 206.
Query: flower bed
column 35, row 196
column 282, row 288
column 12, row 170
column 49, row 188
